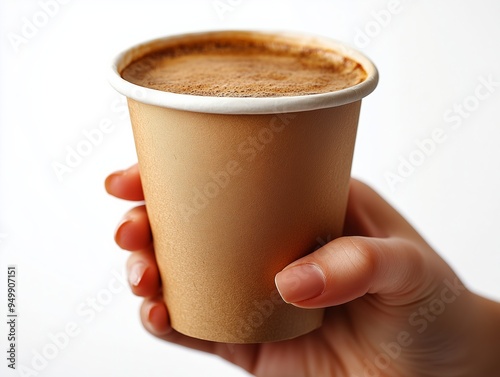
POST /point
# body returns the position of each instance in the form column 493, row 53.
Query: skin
column 394, row 307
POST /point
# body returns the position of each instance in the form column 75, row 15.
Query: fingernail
column 299, row 283
column 118, row 173
column 111, row 181
column 136, row 273
column 119, row 229
column 153, row 314
column 157, row 322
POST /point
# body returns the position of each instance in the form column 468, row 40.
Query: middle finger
column 134, row 233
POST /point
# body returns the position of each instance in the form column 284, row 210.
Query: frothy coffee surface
column 243, row 67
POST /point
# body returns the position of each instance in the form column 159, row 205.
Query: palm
column 344, row 345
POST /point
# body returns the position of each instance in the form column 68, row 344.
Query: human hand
column 394, row 307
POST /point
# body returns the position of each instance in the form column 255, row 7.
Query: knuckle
column 363, row 255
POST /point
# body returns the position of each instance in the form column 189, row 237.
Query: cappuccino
column 241, row 66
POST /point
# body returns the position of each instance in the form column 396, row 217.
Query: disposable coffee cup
column 238, row 188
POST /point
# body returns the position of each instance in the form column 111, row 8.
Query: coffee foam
column 237, row 66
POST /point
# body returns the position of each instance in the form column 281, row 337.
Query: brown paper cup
column 238, row 188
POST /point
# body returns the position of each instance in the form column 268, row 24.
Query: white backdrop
column 439, row 64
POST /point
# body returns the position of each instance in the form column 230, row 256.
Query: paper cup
column 238, row 188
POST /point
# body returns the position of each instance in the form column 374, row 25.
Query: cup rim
column 243, row 105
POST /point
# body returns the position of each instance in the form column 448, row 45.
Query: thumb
column 350, row 267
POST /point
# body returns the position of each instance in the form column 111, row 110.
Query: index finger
column 125, row 184
column 369, row 215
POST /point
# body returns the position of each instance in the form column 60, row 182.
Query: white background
column 431, row 56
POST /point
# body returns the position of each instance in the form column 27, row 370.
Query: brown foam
column 243, row 67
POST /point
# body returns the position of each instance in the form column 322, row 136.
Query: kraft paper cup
column 238, row 188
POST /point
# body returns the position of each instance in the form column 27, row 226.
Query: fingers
column 143, row 274
column 350, row 267
column 391, row 260
column 155, row 319
column 125, row 184
column 368, row 214
column 154, row 316
column 134, row 232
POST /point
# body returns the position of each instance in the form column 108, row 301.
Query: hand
column 395, row 308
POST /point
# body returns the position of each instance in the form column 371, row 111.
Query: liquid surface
column 244, row 68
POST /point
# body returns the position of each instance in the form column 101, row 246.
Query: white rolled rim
column 243, row 105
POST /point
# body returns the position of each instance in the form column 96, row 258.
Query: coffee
column 237, row 188
column 242, row 66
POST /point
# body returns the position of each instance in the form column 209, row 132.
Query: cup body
column 236, row 189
